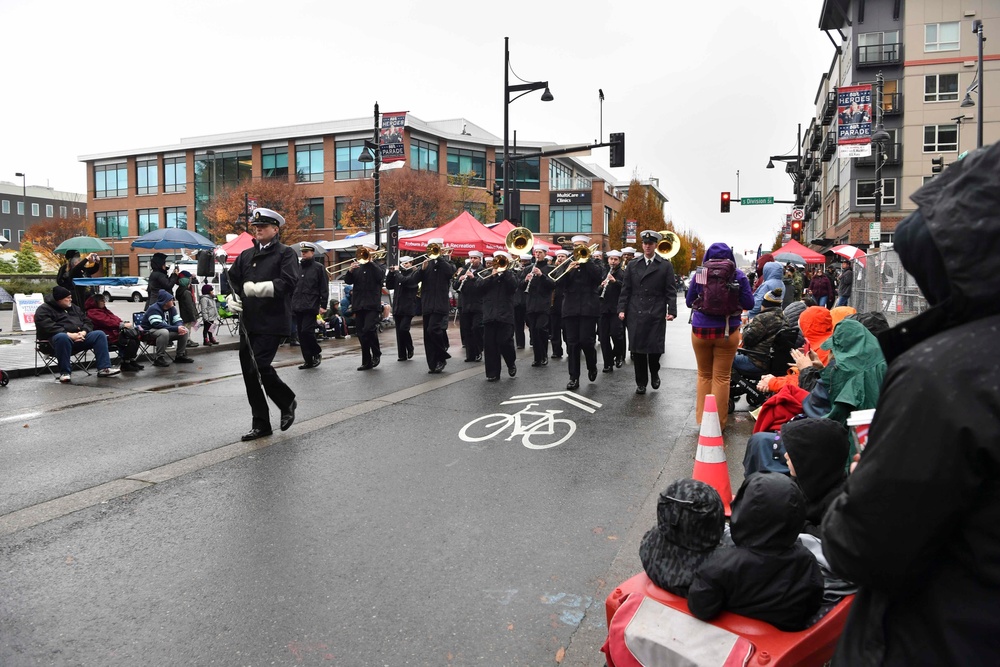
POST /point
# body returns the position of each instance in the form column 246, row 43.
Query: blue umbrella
column 172, row 237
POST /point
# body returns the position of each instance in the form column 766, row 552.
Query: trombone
column 669, row 245
column 581, row 255
column 500, row 263
column 434, row 250
column 362, row 256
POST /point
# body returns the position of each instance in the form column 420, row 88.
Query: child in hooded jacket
column 767, row 574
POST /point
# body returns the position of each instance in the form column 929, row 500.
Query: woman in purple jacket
column 714, row 339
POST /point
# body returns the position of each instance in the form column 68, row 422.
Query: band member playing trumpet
column 402, row 280
column 435, row 277
column 366, row 301
column 580, row 310
column 610, row 329
column 470, row 306
column 538, row 300
column 498, row 316
column 647, row 302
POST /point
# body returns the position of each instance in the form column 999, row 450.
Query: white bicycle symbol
column 535, row 433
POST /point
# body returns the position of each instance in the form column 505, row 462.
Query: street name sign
column 752, row 201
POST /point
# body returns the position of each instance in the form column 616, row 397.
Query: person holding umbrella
column 263, row 279
column 76, row 267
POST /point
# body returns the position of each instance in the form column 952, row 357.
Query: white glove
column 233, row 304
column 263, row 289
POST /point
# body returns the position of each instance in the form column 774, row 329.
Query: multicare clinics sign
column 854, row 121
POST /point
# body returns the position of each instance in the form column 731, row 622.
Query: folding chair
column 77, row 360
column 227, row 318
column 145, row 340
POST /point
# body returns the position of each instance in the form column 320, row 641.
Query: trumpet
column 581, row 255
column 362, row 256
column 500, row 263
column 669, row 245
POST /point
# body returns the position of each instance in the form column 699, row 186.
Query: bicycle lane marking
column 541, row 423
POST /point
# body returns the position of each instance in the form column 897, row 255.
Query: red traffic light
column 724, row 203
column 796, row 226
column 725, row 195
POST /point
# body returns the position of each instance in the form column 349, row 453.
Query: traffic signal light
column 497, row 194
column 617, row 149
column 937, row 164
column 724, row 202
column 796, row 230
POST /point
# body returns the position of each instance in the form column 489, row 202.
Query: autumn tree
column 225, row 211
column 779, row 240
column 475, row 200
column 46, row 236
column 641, row 205
column 421, row 198
column 27, row 262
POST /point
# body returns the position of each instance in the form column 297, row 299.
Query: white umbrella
column 850, row 252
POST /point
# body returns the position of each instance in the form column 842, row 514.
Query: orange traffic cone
column 710, row 460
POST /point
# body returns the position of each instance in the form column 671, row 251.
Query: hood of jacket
column 841, row 312
column 773, row 271
column 719, row 251
column 162, row 297
column 817, row 325
column 762, row 261
column 818, row 449
column 769, row 512
column 949, row 247
column 90, row 303
column 855, row 374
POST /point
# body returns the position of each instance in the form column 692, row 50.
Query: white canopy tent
column 352, row 243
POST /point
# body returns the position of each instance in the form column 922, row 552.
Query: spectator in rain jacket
column 918, row 523
column 771, row 281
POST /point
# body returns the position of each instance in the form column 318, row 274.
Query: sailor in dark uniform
column 580, row 310
column 263, row 279
column 367, row 276
column 610, row 329
column 405, row 304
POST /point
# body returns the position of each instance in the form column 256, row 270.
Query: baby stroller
column 779, row 355
column 4, row 378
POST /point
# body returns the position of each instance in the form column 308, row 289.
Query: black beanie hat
column 59, row 293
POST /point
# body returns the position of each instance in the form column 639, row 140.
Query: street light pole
column 524, row 89
column 977, row 85
column 24, row 197
column 372, row 151
column 879, row 137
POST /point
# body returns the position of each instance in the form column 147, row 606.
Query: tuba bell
column 669, row 245
column 519, row 241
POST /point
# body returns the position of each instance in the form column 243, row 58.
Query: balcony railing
column 879, row 54
column 816, row 171
column 815, row 138
column 829, row 108
column 829, row 147
column 572, row 183
column 814, row 203
column 892, row 104
column 893, row 155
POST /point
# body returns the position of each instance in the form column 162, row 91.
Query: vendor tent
column 811, row 256
column 236, row 246
column 463, row 234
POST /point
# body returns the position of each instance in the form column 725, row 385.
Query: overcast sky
column 701, row 90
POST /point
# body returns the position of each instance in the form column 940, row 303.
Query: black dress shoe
column 536, row 364
column 255, row 433
column 496, row 379
column 402, row 359
column 655, row 381
column 309, row 364
column 573, row 384
column 557, row 356
column 512, row 371
column 545, row 361
column 317, row 360
column 409, row 354
column 183, row 360
column 470, row 361
column 592, row 373
column 440, row 367
column 608, row 369
column 365, row 367
column 479, row 357
column 619, row 363
column 640, row 390
column 288, row 416
column 376, row 360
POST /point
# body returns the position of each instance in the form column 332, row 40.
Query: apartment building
column 23, row 205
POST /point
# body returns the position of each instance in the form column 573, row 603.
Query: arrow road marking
column 566, row 396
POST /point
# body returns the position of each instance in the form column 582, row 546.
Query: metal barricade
column 882, row 285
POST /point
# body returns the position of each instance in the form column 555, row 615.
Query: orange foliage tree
column 46, row 236
column 225, row 211
column 640, row 205
column 421, row 198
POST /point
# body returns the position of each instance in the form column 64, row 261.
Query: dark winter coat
column 918, row 523
column 276, row 263
column 498, row 297
column 818, row 449
column 186, row 304
column 158, row 279
column 51, row 319
column 104, row 320
column 820, row 286
column 759, row 334
column 845, row 285
column 158, row 316
column 648, row 294
column 581, row 286
column 470, row 299
column 435, row 294
column 771, row 281
column 768, row 574
column 538, row 292
column 404, row 287
column 67, row 276
column 312, row 291
column 367, row 280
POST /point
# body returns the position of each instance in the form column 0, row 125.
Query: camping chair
column 227, row 318
column 47, row 356
column 145, row 340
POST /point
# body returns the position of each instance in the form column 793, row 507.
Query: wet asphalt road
column 136, row 530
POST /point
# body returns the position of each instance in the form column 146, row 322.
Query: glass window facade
column 560, row 176
column 50, row 211
column 175, row 216
column 110, row 180
column 530, row 217
column 463, row 161
column 149, row 219
column 174, row 174
column 570, row 219
column 6, row 206
column 941, row 88
column 527, row 174
column 340, row 208
column 36, row 210
column 347, row 154
column 215, row 172
column 866, row 192
column 146, row 177
column 112, row 224
column 274, row 162
column 312, row 215
column 940, row 138
column 423, row 156
column 62, row 211
column 309, row 163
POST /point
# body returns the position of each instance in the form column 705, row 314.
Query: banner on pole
column 854, row 121
column 630, row 226
column 391, row 136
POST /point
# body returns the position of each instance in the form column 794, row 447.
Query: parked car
column 134, row 293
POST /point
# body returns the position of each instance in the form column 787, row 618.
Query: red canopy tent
column 236, row 246
column 463, row 234
column 810, row 256
column 503, row 228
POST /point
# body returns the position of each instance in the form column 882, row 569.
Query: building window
column 309, row 163
column 941, row 37
column 174, row 174
column 76, row 211
column 940, row 138
column 274, row 162
column 36, row 210
column 570, row 219
column 112, row 224
column 6, row 234
column 312, row 215
column 347, row 153
column 423, row 156
column 941, row 88
column 608, row 215
column 62, row 212
column 560, row 176
column 340, row 208
column 866, row 192
column 527, row 174
column 110, row 180
column 176, row 216
column 50, row 211
column 20, row 236
column 531, row 217
column 6, row 206
column 463, row 161
column 927, row 179
column 20, row 208
column 878, row 47
column 147, row 180
column 149, row 219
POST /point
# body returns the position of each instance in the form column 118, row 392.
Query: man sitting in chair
column 68, row 330
column 162, row 324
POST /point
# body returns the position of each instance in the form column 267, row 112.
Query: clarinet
column 530, row 277
column 461, row 283
column 607, row 280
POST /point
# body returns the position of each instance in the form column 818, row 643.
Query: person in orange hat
column 816, row 323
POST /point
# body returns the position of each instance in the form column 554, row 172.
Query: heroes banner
column 391, row 136
column 854, row 115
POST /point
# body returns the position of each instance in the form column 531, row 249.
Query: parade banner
column 854, row 121
column 391, row 136
column 630, row 228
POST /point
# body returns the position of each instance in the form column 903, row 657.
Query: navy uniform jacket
column 434, row 292
column 367, row 280
column 313, row 288
column 276, row 263
column 609, row 304
column 404, row 292
column 470, row 298
column 498, row 297
column 648, row 294
column 538, row 294
column 580, row 289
